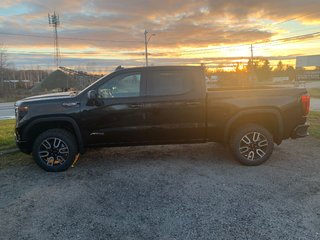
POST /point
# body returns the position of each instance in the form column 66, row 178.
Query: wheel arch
column 40, row 125
column 269, row 118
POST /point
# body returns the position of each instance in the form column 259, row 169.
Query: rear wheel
column 54, row 150
column 252, row 144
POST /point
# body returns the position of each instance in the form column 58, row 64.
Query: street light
column 146, row 41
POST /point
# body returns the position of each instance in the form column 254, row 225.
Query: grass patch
column 314, row 120
column 314, row 92
column 15, row 159
column 7, row 140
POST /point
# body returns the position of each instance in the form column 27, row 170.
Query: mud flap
column 75, row 160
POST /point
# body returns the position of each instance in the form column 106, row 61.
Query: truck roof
column 162, row 68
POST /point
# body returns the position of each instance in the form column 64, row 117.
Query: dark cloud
column 267, row 9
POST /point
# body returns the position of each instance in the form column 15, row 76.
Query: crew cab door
column 117, row 115
column 174, row 107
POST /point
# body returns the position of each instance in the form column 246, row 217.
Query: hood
column 50, row 96
column 53, row 95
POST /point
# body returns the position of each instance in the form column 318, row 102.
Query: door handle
column 135, row 106
column 193, row 103
column 71, row 104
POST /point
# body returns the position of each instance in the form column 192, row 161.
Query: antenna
column 54, row 22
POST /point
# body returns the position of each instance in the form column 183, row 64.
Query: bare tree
column 3, row 64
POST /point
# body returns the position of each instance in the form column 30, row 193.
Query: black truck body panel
column 192, row 114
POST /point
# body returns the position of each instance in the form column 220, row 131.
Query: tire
column 252, row 144
column 54, row 150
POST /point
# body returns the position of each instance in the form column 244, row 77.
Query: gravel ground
column 166, row 192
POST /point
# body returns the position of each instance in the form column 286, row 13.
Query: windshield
column 92, row 84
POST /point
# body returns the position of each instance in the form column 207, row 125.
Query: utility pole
column 54, row 22
column 251, row 53
column 146, row 46
column 146, row 41
column 251, row 69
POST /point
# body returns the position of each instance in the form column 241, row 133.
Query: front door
column 117, row 115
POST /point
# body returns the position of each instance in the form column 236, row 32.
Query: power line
column 67, row 38
column 269, row 42
column 72, row 53
column 102, row 40
column 243, row 45
column 297, row 37
column 295, row 18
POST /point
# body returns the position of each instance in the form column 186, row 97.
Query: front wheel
column 252, row 144
column 54, row 150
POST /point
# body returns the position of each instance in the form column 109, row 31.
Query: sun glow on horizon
column 185, row 33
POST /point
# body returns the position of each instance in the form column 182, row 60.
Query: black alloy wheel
column 252, row 144
column 54, row 150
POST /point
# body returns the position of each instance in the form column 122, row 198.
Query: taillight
column 305, row 100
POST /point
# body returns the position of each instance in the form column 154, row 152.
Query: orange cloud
column 108, row 28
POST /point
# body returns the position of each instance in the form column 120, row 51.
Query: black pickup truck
column 159, row 105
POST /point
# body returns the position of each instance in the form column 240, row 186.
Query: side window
column 161, row 83
column 124, row 85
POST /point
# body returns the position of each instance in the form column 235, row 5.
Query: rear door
column 174, row 107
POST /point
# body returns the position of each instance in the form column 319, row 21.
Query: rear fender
column 255, row 112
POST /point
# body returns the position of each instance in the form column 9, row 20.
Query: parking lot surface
column 166, row 192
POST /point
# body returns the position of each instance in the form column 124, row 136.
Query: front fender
column 56, row 120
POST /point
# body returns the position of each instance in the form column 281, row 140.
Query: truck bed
column 224, row 104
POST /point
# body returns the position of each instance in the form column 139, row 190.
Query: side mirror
column 92, row 95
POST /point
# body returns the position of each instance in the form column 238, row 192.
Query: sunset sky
column 98, row 35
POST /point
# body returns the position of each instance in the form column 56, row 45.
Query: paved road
column 312, row 84
column 165, row 192
column 7, row 110
column 315, row 104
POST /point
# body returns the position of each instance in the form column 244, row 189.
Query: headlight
column 21, row 112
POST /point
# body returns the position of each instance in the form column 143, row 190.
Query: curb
column 9, row 151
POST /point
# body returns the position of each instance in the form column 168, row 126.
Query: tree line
column 255, row 71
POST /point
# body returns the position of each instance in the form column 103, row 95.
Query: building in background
column 308, row 68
